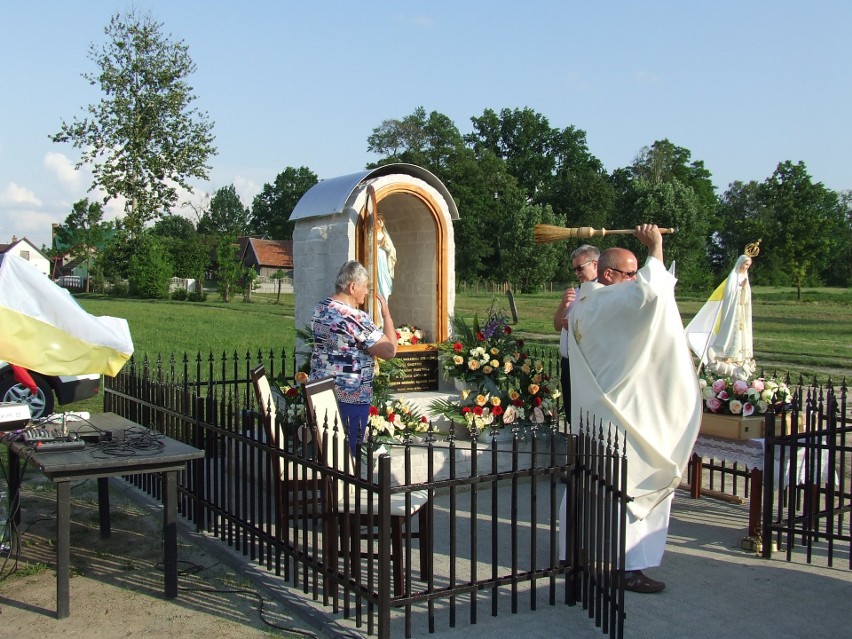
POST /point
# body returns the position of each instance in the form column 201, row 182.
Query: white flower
column 510, row 414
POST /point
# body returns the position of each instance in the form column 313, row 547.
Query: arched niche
column 418, row 211
column 419, row 231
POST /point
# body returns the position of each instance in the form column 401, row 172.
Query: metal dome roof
column 329, row 196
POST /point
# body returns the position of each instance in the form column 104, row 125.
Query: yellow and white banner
column 44, row 329
column 702, row 330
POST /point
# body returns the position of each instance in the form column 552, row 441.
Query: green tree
column 523, row 139
column 803, row 225
column 144, row 138
column 227, row 215
column 673, row 204
column 740, row 220
column 272, row 207
column 84, row 232
column 554, row 167
column 174, row 226
column 189, row 253
column 229, row 268
column 662, row 186
column 839, row 271
column 431, row 141
column 525, row 264
column 114, row 260
column 278, row 276
column 150, row 269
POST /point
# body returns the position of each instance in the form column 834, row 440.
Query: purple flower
column 719, row 385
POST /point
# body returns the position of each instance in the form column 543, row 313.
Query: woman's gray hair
column 353, row 272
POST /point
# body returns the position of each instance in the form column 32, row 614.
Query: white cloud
column 64, row 170
column 13, row 193
column 29, row 223
column 246, row 188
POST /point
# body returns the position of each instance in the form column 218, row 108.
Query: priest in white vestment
column 631, row 368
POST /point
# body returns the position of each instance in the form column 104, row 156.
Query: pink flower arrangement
column 741, row 397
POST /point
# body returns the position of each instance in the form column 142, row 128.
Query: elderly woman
column 345, row 342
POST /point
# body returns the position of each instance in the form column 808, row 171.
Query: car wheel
column 41, row 404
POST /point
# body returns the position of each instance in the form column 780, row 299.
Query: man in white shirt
column 584, row 260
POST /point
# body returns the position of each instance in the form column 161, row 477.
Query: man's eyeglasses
column 577, row 269
column 628, row 274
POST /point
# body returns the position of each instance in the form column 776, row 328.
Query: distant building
column 267, row 257
column 74, row 261
column 25, row 249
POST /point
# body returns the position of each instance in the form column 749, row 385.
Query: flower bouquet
column 396, row 420
column 408, row 335
column 477, row 410
column 294, row 401
column 505, row 385
column 723, row 395
column 532, row 391
column 481, row 356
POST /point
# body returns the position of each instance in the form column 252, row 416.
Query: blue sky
column 743, row 85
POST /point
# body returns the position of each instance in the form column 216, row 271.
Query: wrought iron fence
column 491, row 532
column 807, row 482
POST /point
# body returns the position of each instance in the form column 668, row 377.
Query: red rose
column 391, row 417
column 508, row 330
column 520, row 343
column 398, row 334
column 518, row 402
column 457, row 347
column 291, row 392
column 477, row 410
column 536, row 401
column 414, row 339
column 423, row 419
column 466, row 410
column 497, row 411
column 373, row 411
column 480, row 336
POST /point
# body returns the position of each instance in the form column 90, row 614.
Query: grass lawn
column 812, row 337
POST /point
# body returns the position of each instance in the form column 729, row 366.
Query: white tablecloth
column 749, row 453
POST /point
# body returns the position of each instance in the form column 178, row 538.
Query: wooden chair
column 297, row 487
column 342, row 500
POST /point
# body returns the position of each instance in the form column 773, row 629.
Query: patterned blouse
column 342, row 335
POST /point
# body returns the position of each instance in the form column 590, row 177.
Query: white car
column 52, row 389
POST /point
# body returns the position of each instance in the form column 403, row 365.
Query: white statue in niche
column 385, row 260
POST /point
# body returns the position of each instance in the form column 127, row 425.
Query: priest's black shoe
column 637, row 581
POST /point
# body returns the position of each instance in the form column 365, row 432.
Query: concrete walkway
column 714, row 589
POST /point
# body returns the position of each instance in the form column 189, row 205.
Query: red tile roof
column 270, row 253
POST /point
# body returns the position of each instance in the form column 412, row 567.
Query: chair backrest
column 267, row 408
column 323, row 415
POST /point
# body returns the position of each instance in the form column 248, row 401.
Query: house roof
column 5, row 248
column 268, row 253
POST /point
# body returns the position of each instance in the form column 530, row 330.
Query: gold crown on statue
column 753, row 249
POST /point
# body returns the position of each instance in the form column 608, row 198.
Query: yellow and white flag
column 702, row 330
column 44, row 329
